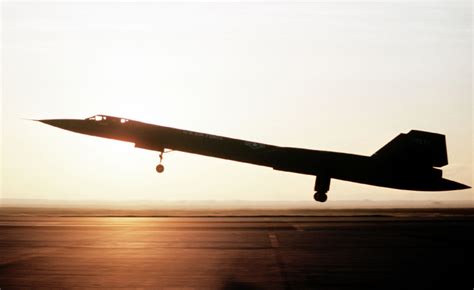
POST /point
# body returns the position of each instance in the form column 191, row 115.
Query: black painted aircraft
column 407, row 162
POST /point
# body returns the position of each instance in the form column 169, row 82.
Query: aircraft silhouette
column 407, row 162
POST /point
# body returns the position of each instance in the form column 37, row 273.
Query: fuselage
column 343, row 166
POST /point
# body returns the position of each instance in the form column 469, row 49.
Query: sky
column 330, row 75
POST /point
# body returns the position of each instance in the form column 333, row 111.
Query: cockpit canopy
column 107, row 119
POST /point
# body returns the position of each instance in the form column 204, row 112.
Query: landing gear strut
column 160, row 168
column 321, row 187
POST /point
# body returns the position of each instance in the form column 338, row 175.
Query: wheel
column 320, row 196
column 323, row 197
column 160, row 168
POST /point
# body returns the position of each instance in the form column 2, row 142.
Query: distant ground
column 233, row 204
column 222, row 212
column 28, row 207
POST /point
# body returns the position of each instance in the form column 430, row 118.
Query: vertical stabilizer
column 416, row 147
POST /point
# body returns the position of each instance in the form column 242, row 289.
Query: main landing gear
column 321, row 187
column 320, row 196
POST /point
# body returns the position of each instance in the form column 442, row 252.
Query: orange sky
column 340, row 76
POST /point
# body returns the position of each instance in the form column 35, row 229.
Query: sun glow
column 330, row 77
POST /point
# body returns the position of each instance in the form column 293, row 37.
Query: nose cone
column 66, row 124
column 53, row 122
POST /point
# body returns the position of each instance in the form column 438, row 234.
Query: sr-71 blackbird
column 411, row 161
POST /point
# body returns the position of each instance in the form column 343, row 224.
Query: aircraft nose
column 61, row 123
column 54, row 123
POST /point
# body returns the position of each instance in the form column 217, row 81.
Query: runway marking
column 273, row 240
column 298, row 228
column 279, row 259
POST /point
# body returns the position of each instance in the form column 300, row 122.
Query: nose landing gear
column 160, row 167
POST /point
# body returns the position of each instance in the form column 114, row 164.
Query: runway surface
column 322, row 252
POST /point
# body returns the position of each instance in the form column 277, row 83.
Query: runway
column 310, row 252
